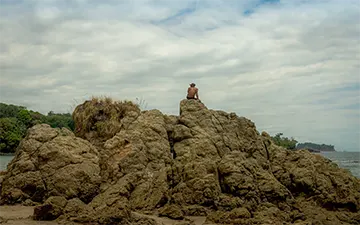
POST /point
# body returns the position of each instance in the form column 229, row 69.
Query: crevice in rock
column 171, row 142
column 267, row 152
column 237, row 135
column 171, row 181
column 37, row 149
column 43, row 181
column 164, row 199
column 180, row 122
column 89, row 194
column 41, row 175
column 333, row 206
column 299, row 189
column 223, row 187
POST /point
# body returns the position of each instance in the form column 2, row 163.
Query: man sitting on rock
column 193, row 92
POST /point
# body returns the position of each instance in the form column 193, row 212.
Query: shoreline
column 6, row 154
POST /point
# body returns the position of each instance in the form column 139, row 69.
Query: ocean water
column 346, row 160
column 4, row 160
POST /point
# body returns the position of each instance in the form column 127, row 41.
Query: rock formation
column 52, row 162
column 202, row 163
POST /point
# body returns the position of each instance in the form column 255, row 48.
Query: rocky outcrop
column 201, row 163
column 51, row 162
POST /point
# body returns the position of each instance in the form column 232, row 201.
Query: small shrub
column 101, row 115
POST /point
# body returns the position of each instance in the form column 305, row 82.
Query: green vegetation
column 15, row 120
column 289, row 143
column 60, row 120
column 11, row 132
column 292, row 144
column 319, row 147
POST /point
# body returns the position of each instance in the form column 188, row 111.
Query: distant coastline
column 293, row 144
column 312, row 147
column 7, row 153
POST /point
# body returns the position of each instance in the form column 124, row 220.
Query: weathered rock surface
column 200, row 163
column 51, row 162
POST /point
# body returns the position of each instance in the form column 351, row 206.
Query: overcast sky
column 291, row 66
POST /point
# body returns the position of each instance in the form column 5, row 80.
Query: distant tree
column 15, row 120
column 11, row 133
column 9, row 110
column 37, row 118
column 289, row 143
column 320, row 147
column 60, row 120
column 24, row 116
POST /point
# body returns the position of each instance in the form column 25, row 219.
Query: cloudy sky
column 291, row 66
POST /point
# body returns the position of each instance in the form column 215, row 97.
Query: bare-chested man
column 193, row 92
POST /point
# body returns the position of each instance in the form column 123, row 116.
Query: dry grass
column 102, row 115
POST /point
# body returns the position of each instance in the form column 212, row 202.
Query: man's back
column 192, row 91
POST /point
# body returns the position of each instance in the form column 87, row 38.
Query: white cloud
column 291, row 67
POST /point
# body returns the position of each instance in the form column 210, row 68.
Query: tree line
column 289, row 143
column 15, row 120
column 320, row 147
column 292, row 144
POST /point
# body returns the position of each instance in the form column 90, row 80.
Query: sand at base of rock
column 22, row 215
column 17, row 214
column 198, row 220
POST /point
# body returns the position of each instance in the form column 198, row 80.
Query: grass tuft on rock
column 102, row 116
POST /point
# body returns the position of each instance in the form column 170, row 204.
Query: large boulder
column 135, row 164
column 312, row 176
column 99, row 119
column 51, row 162
column 207, row 143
